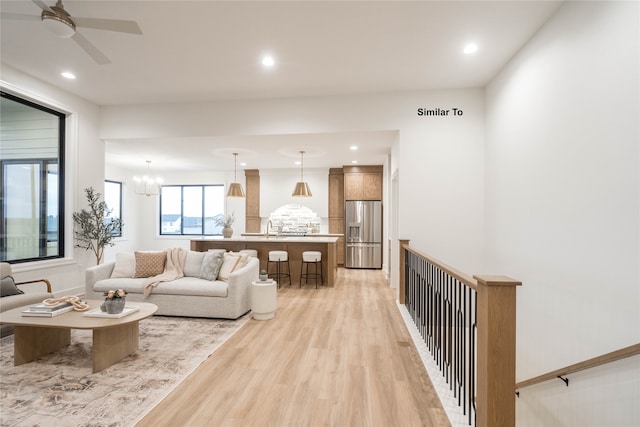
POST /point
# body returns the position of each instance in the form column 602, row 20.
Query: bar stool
column 249, row 252
column 279, row 257
column 315, row 258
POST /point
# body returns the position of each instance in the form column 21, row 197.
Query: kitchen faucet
column 269, row 225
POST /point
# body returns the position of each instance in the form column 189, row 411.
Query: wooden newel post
column 495, row 397
column 401, row 276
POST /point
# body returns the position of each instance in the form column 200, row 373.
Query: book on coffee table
column 97, row 312
column 52, row 313
column 47, row 308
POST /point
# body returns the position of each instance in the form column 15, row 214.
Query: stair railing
column 562, row 373
column 469, row 326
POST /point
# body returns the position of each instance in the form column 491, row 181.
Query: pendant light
column 147, row 185
column 235, row 188
column 302, row 188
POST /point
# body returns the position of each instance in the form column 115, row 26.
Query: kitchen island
column 294, row 245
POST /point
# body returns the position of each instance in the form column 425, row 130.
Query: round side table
column 264, row 299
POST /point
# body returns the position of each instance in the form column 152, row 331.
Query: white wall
column 276, row 186
column 141, row 213
column 442, row 187
column 441, row 200
column 84, row 168
column 562, row 209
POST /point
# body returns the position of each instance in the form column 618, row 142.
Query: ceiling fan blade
column 93, row 51
column 119, row 25
column 42, row 5
column 20, row 17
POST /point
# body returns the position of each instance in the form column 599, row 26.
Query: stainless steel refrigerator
column 363, row 234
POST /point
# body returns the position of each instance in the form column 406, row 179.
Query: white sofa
column 189, row 296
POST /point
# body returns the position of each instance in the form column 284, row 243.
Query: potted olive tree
column 95, row 229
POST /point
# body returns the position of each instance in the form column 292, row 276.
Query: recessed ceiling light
column 353, row 147
column 268, row 61
column 297, row 162
column 470, row 48
column 243, row 163
column 68, row 75
column 354, row 161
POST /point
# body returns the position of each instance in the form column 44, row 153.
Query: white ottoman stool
column 278, row 258
column 264, row 297
column 308, row 258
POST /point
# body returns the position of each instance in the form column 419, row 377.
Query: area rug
column 60, row 389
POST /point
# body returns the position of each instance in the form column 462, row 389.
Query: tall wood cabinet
column 252, row 201
column 336, row 209
column 362, row 182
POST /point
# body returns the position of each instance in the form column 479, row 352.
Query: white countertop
column 274, row 238
column 285, row 235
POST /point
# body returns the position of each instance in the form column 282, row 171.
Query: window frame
column 44, row 163
column 120, row 210
column 203, row 204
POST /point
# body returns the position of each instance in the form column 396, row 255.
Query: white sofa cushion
column 183, row 286
column 130, row 285
column 193, row 263
column 211, row 264
column 229, row 265
column 193, row 286
column 125, row 265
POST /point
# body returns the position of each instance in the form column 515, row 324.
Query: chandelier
column 147, row 185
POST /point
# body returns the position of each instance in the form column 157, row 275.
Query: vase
column 227, row 232
column 114, row 305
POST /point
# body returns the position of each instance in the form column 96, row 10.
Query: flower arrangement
column 120, row 293
column 226, row 220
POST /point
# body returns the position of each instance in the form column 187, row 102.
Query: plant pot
column 227, row 232
column 264, row 277
column 114, row 305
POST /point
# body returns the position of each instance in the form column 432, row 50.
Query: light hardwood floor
column 331, row 357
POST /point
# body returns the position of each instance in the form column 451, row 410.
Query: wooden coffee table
column 113, row 339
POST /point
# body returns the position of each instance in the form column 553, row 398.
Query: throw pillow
column 8, row 287
column 244, row 260
column 228, row 266
column 211, row 264
column 125, row 265
column 149, row 263
column 193, row 263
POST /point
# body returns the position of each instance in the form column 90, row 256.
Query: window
column 113, row 199
column 32, row 168
column 191, row 209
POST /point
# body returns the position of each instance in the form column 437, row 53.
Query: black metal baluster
column 444, row 310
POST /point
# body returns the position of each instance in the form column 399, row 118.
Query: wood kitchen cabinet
column 252, row 200
column 336, row 210
column 362, row 182
column 336, row 194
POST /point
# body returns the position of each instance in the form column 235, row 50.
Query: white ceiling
column 193, row 51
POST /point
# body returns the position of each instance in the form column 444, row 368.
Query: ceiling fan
column 60, row 23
